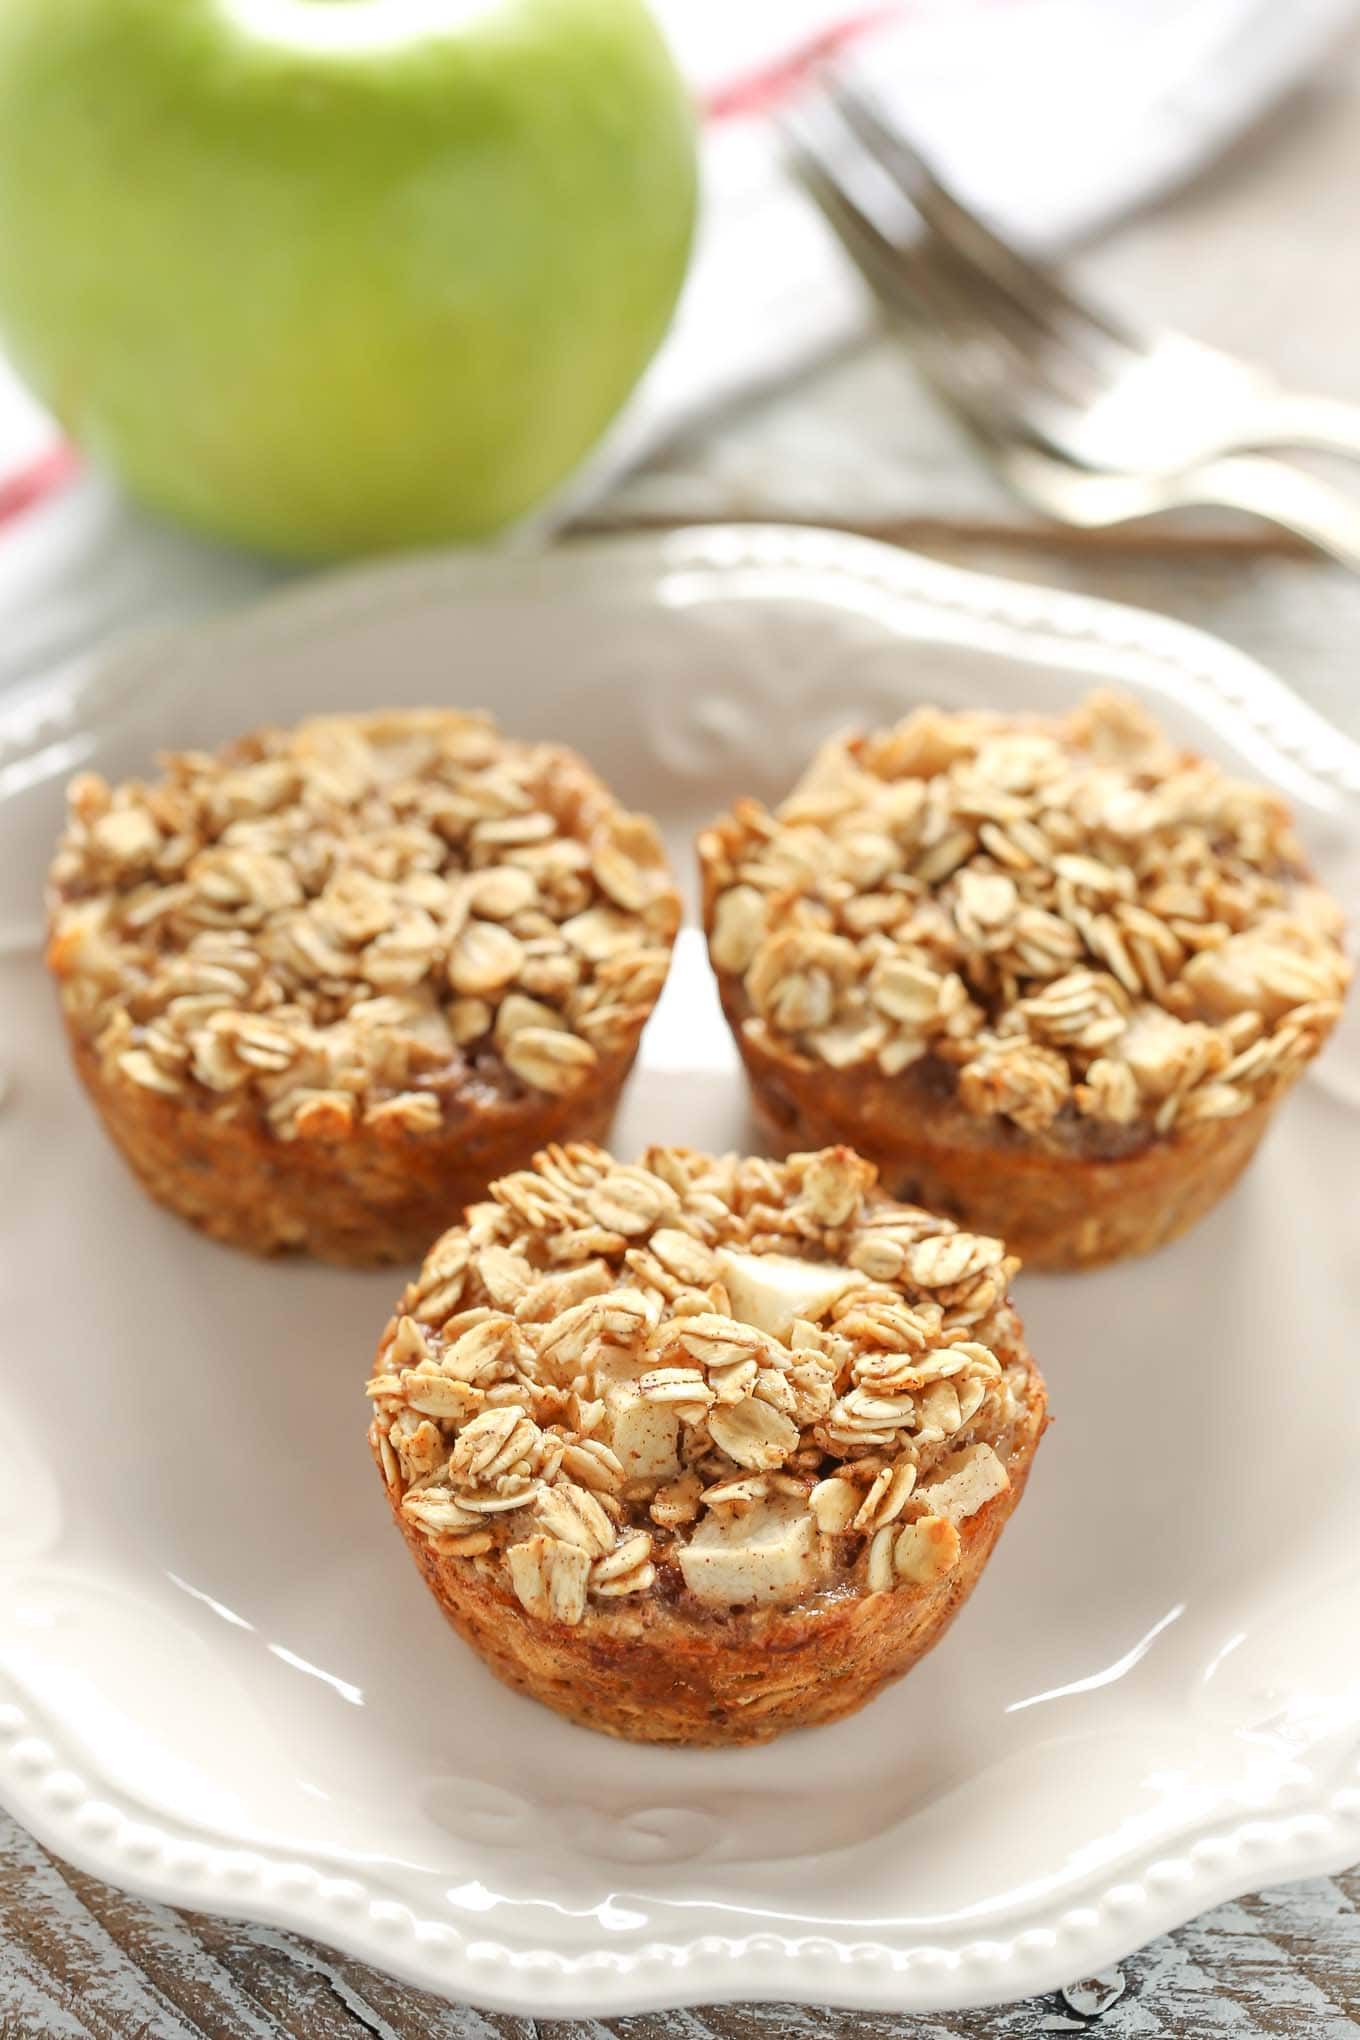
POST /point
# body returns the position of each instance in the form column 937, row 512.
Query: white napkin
column 1054, row 116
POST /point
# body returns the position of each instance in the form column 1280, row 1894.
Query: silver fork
column 1089, row 420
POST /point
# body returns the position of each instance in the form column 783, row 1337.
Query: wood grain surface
column 1259, row 255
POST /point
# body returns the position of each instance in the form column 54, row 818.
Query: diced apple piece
column 622, row 1363
column 964, row 1483
column 643, row 1434
column 770, row 1290
column 770, row 1553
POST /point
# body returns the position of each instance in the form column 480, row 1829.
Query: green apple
column 327, row 276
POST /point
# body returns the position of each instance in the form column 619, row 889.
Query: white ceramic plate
column 221, row 1681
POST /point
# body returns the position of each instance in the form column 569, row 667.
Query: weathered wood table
column 1260, row 257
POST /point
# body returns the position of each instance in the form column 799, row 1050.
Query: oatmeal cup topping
column 737, row 1381
column 1076, row 918
column 333, row 922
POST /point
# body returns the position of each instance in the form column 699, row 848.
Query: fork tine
column 876, row 255
column 1041, row 367
column 967, row 349
column 1050, row 359
column 893, row 261
column 906, row 289
column 1033, row 288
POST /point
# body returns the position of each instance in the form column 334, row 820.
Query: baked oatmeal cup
column 1052, row 976
column 324, row 985
column 697, row 1450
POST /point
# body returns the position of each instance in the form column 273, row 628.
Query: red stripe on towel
column 758, row 90
column 30, row 484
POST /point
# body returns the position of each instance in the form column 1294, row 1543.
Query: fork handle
column 1283, row 495
column 1317, row 424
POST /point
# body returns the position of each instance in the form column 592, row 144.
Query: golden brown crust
column 1057, row 1207
column 375, row 1196
column 646, row 1673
